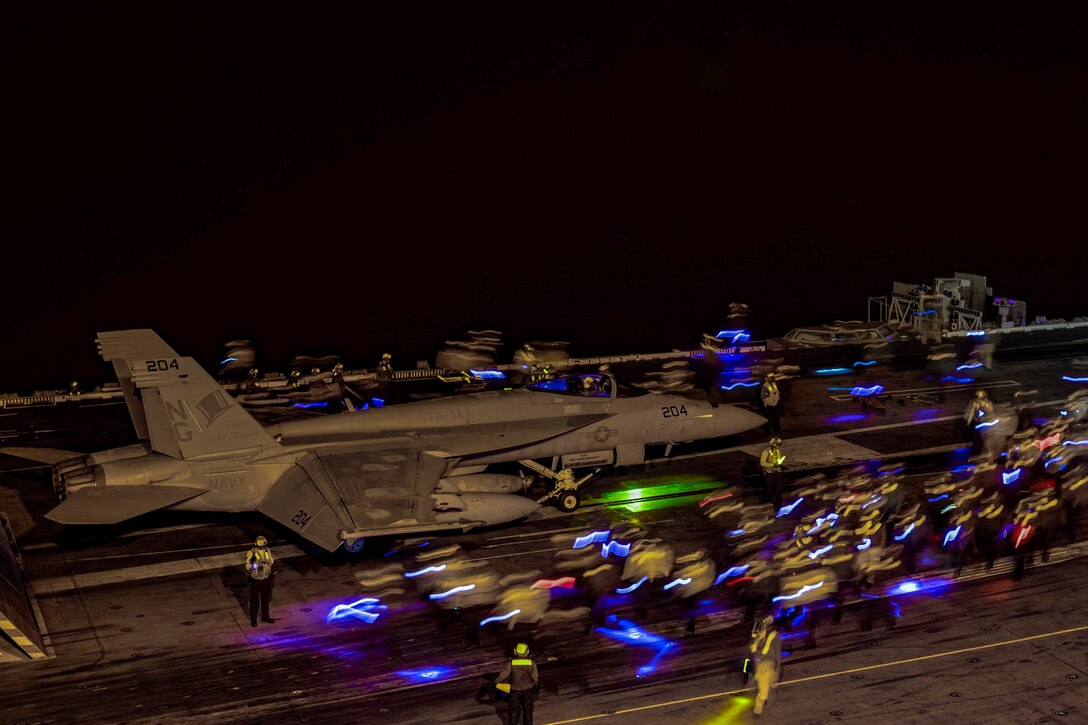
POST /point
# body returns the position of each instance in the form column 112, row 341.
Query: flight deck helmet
column 980, row 394
column 521, row 649
column 261, row 541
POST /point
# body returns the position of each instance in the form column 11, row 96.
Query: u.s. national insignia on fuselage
column 602, row 434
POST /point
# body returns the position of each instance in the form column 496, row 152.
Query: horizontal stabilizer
column 114, row 504
column 52, row 456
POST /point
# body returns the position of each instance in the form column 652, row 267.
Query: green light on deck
column 732, row 713
column 637, row 507
column 676, row 485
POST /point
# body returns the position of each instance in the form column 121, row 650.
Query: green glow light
column 675, row 485
column 636, row 507
column 732, row 713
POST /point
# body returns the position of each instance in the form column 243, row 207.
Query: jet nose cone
column 498, row 508
column 733, row 419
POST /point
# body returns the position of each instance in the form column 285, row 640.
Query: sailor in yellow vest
column 259, row 564
column 770, row 400
column 765, row 659
column 771, row 461
column 520, row 678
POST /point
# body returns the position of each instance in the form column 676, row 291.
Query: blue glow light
column 678, row 583
column 633, row 587
column 740, row 385
column 846, row 418
column 832, row 517
column 489, row 374
column 951, row 536
column 820, row 552
column 631, row 633
column 425, row 570
column 806, row 588
column 502, row 618
column 1074, row 380
column 1010, row 477
column 952, row 378
column 731, row 571
column 429, row 674
column 787, row 510
column 988, row 424
column 865, row 363
column 865, row 544
column 229, row 359
column 926, row 312
column 735, row 532
column 976, row 333
column 735, row 335
column 831, row 371
column 948, row 508
column 455, row 590
column 866, row 392
column 318, row 404
column 359, row 609
column 595, row 537
column 905, row 534
column 932, row 586
column 966, row 366
column 942, row 497
column 615, row 547
column 377, row 402
column 558, row 385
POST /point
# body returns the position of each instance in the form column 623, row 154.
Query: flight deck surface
column 148, row 622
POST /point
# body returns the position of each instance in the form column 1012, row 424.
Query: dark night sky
column 385, row 179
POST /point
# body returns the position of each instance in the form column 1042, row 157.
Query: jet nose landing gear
column 565, row 492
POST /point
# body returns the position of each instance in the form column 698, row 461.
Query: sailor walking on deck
column 771, row 461
column 259, row 563
column 979, row 411
column 770, row 400
column 765, row 660
column 520, row 678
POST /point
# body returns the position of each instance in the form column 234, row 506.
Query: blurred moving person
column 765, row 659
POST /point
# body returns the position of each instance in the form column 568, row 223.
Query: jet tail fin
column 174, row 402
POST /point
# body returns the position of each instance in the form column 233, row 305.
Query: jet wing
column 345, row 488
column 114, row 504
column 385, row 486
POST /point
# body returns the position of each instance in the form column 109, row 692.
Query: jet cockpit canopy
column 587, row 385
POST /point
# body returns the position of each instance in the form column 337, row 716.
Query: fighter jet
column 337, row 480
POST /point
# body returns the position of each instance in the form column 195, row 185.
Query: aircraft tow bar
column 565, row 491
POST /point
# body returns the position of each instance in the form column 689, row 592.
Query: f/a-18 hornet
column 337, row 479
